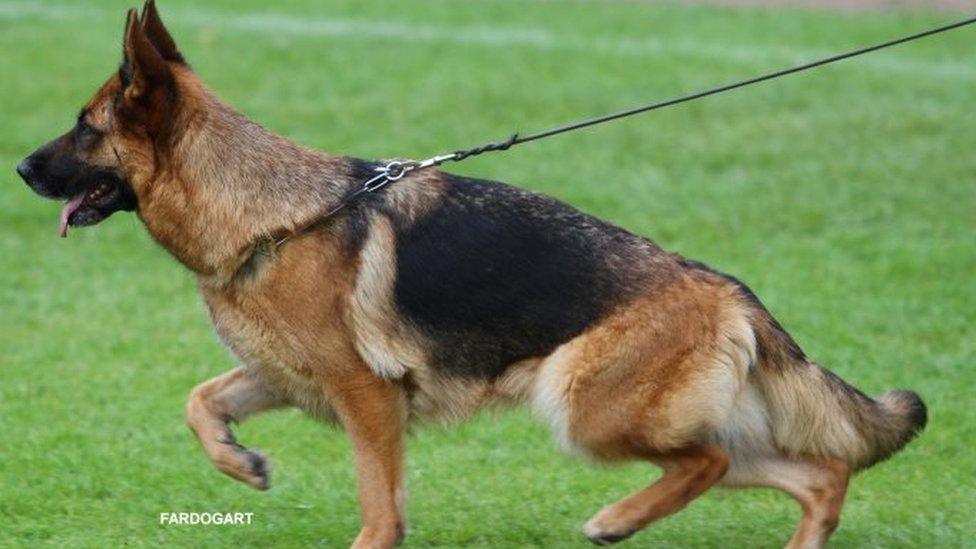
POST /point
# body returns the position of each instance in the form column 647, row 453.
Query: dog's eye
column 84, row 132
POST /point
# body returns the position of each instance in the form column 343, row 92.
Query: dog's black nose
column 24, row 169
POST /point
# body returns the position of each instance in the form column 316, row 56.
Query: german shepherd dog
column 441, row 294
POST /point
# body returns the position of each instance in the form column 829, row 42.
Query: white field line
column 494, row 36
column 543, row 39
column 14, row 11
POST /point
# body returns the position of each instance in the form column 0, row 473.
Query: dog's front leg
column 213, row 405
column 374, row 413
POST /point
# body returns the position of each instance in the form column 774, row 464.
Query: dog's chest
column 277, row 355
column 288, row 325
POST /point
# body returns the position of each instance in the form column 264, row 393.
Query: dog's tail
column 812, row 411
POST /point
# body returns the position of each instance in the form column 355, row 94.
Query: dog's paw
column 258, row 474
column 599, row 535
column 247, row 466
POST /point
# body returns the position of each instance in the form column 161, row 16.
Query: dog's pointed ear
column 153, row 26
column 143, row 68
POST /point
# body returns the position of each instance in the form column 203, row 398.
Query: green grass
column 844, row 197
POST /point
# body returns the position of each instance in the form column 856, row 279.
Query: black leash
column 396, row 170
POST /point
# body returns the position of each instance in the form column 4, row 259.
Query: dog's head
column 103, row 164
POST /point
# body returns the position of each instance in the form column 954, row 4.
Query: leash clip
column 385, row 174
column 393, row 171
column 398, row 169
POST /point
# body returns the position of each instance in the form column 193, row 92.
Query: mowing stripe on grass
column 495, row 36
column 539, row 38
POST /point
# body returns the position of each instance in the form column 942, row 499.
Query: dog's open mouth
column 91, row 205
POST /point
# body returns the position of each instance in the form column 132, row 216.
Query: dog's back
column 493, row 274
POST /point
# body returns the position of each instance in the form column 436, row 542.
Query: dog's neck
column 231, row 183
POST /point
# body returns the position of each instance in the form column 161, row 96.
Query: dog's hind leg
column 818, row 484
column 687, row 475
column 652, row 382
column 213, row 404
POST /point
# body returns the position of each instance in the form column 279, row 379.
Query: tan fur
column 683, row 353
column 271, row 184
column 818, row 485
column 687, row 474
column 231, row 397
column 391, row 348
column 813, row 412
column 818, row 425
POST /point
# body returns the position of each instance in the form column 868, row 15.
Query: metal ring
column 397, row 169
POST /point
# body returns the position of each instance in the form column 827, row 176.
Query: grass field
column 845, row 198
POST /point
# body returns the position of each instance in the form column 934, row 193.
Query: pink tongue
column 69, row 208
